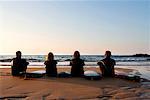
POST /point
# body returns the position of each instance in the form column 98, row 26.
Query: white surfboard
column 92, row 75
column 35, row 74
column 64, row 74
column 38, row 72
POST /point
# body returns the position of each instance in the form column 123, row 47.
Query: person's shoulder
column 46, row 62
column 101, row 61
column 13, row 58
column 81, row 59
column 112, row 60
column 73, row 60
column 23, row 59
column 55, row 61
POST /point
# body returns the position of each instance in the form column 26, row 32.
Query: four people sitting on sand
column 77, row 70
column 19, row 65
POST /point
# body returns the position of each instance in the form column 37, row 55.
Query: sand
column 15, row 88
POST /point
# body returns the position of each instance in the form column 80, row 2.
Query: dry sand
column 15, row 88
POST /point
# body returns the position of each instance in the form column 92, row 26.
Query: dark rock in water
column 34, row 60
column 67, row 60
column 148, row 59
column 141, row 55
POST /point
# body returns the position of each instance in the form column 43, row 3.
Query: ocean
column 90, row 60
column 140, row 65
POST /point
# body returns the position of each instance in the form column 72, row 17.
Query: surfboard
column 41, row 73
column 64, row 74
column 35, row 74
column 92, row 75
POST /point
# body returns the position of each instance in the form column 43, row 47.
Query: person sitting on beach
column 107, row 65
column 19, row 65
column 51, row 69
column 77, row 65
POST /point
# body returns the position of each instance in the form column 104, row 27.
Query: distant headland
column 141, row 55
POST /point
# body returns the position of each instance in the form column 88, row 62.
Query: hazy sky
column 37, row 27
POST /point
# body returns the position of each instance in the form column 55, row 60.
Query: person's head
column 107, row 54
column 76, row 54
column 18, row 54
column 50, row 56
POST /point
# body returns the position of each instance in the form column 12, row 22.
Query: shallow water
column 142, row 71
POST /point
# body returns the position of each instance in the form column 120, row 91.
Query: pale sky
column 38, row 27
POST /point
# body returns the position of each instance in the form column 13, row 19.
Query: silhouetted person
column 107, row 65
column 77, row 65
column 19, row 65
column 51, row 69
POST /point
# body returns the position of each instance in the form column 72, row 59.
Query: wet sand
column 15, row 88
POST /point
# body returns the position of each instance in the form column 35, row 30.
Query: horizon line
column 80, row 54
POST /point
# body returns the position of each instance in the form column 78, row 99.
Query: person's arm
column 112, row 67
column 55, row 62
column 101, row 66
column 83, row 63
column 70, row 63
column 81, row 68
column 12, row 62
column 27, row 63
column 99, row 63
column 45, row 63
column 114, row 62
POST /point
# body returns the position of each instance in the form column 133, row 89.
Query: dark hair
column 76, row 54
column 50, row 56
column 18, row 52
column 108, row 53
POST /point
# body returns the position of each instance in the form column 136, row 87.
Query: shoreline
column 62, row 69
column 143, row 72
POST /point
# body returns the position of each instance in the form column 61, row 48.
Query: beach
column 46, row 88
column 106, row 42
